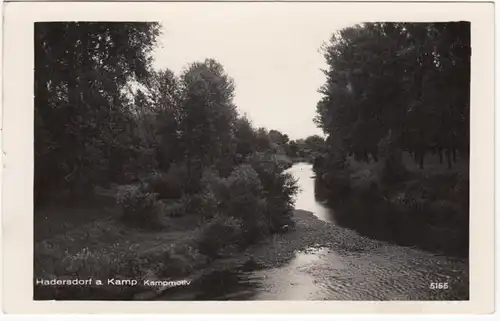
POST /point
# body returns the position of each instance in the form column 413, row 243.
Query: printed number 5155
column 439, row 286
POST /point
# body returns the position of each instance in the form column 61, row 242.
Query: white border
column 18, row 161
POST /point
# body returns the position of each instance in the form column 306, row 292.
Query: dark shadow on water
column 230, row 284
column 371, row 217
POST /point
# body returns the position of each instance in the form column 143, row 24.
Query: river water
column 320, row 273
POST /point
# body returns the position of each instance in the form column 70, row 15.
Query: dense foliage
column 406, row 80
column 396, row 89
column 104, row 117
column 83, row 118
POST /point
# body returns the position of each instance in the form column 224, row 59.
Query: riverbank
column 384, row 271
column 161, row 229
column 309, row 232
column 279, row 249
column 312, row 232
column 360, row 254
column 273, row 252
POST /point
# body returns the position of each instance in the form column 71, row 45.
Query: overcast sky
column 270, row 49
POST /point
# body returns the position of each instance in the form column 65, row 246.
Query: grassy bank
column 108, row 248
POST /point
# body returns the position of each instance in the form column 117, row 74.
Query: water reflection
column 309, row 198
column 291, row 281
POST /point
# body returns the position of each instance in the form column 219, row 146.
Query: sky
column 271, row 50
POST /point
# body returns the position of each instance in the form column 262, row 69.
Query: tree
column 293, row 148
column 264, row 143
column 81, row 71
column 245, row 137
column 315, row 144
column 279, row 141
column 397, row 77
column 207, row 117
column 165, row 99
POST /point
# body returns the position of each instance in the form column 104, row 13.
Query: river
column 390, row 272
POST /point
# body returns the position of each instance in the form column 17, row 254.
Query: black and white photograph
column 271, row 152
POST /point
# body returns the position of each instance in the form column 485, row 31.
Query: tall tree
column 81, row 70
column 164, row 95
column 245, row 137
column 207, row 116
column 396, row 79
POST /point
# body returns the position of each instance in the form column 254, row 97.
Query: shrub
column 203, row 204
column 177, row 260
column 213, row 182
column 173, row 208
column 97, row 263
column 244, row 179
column 241, row 196
column 54, row 261
column 279, row 190
column 281, row 200
column 138, row 204
column 220, row 232
column 283, row 161
column 169, row 185
column 244, row 197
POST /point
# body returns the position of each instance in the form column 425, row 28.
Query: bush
column 96, row 264
column 220, row 232
column 244, row 179
column 245, row 201
column 203, row 204
column 139, row 205
column 280, row 197
column 177, row 260
column 173, row 208
column 279, row 190
column 169, row 185
column 260, row 208
column 283, row 161
column 239, row 192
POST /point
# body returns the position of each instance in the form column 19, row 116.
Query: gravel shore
column 378, row 263
column 309, row 232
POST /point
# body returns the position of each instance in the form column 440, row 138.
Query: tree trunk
column 440, row 156
column 448, row 158
column 421, row 160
